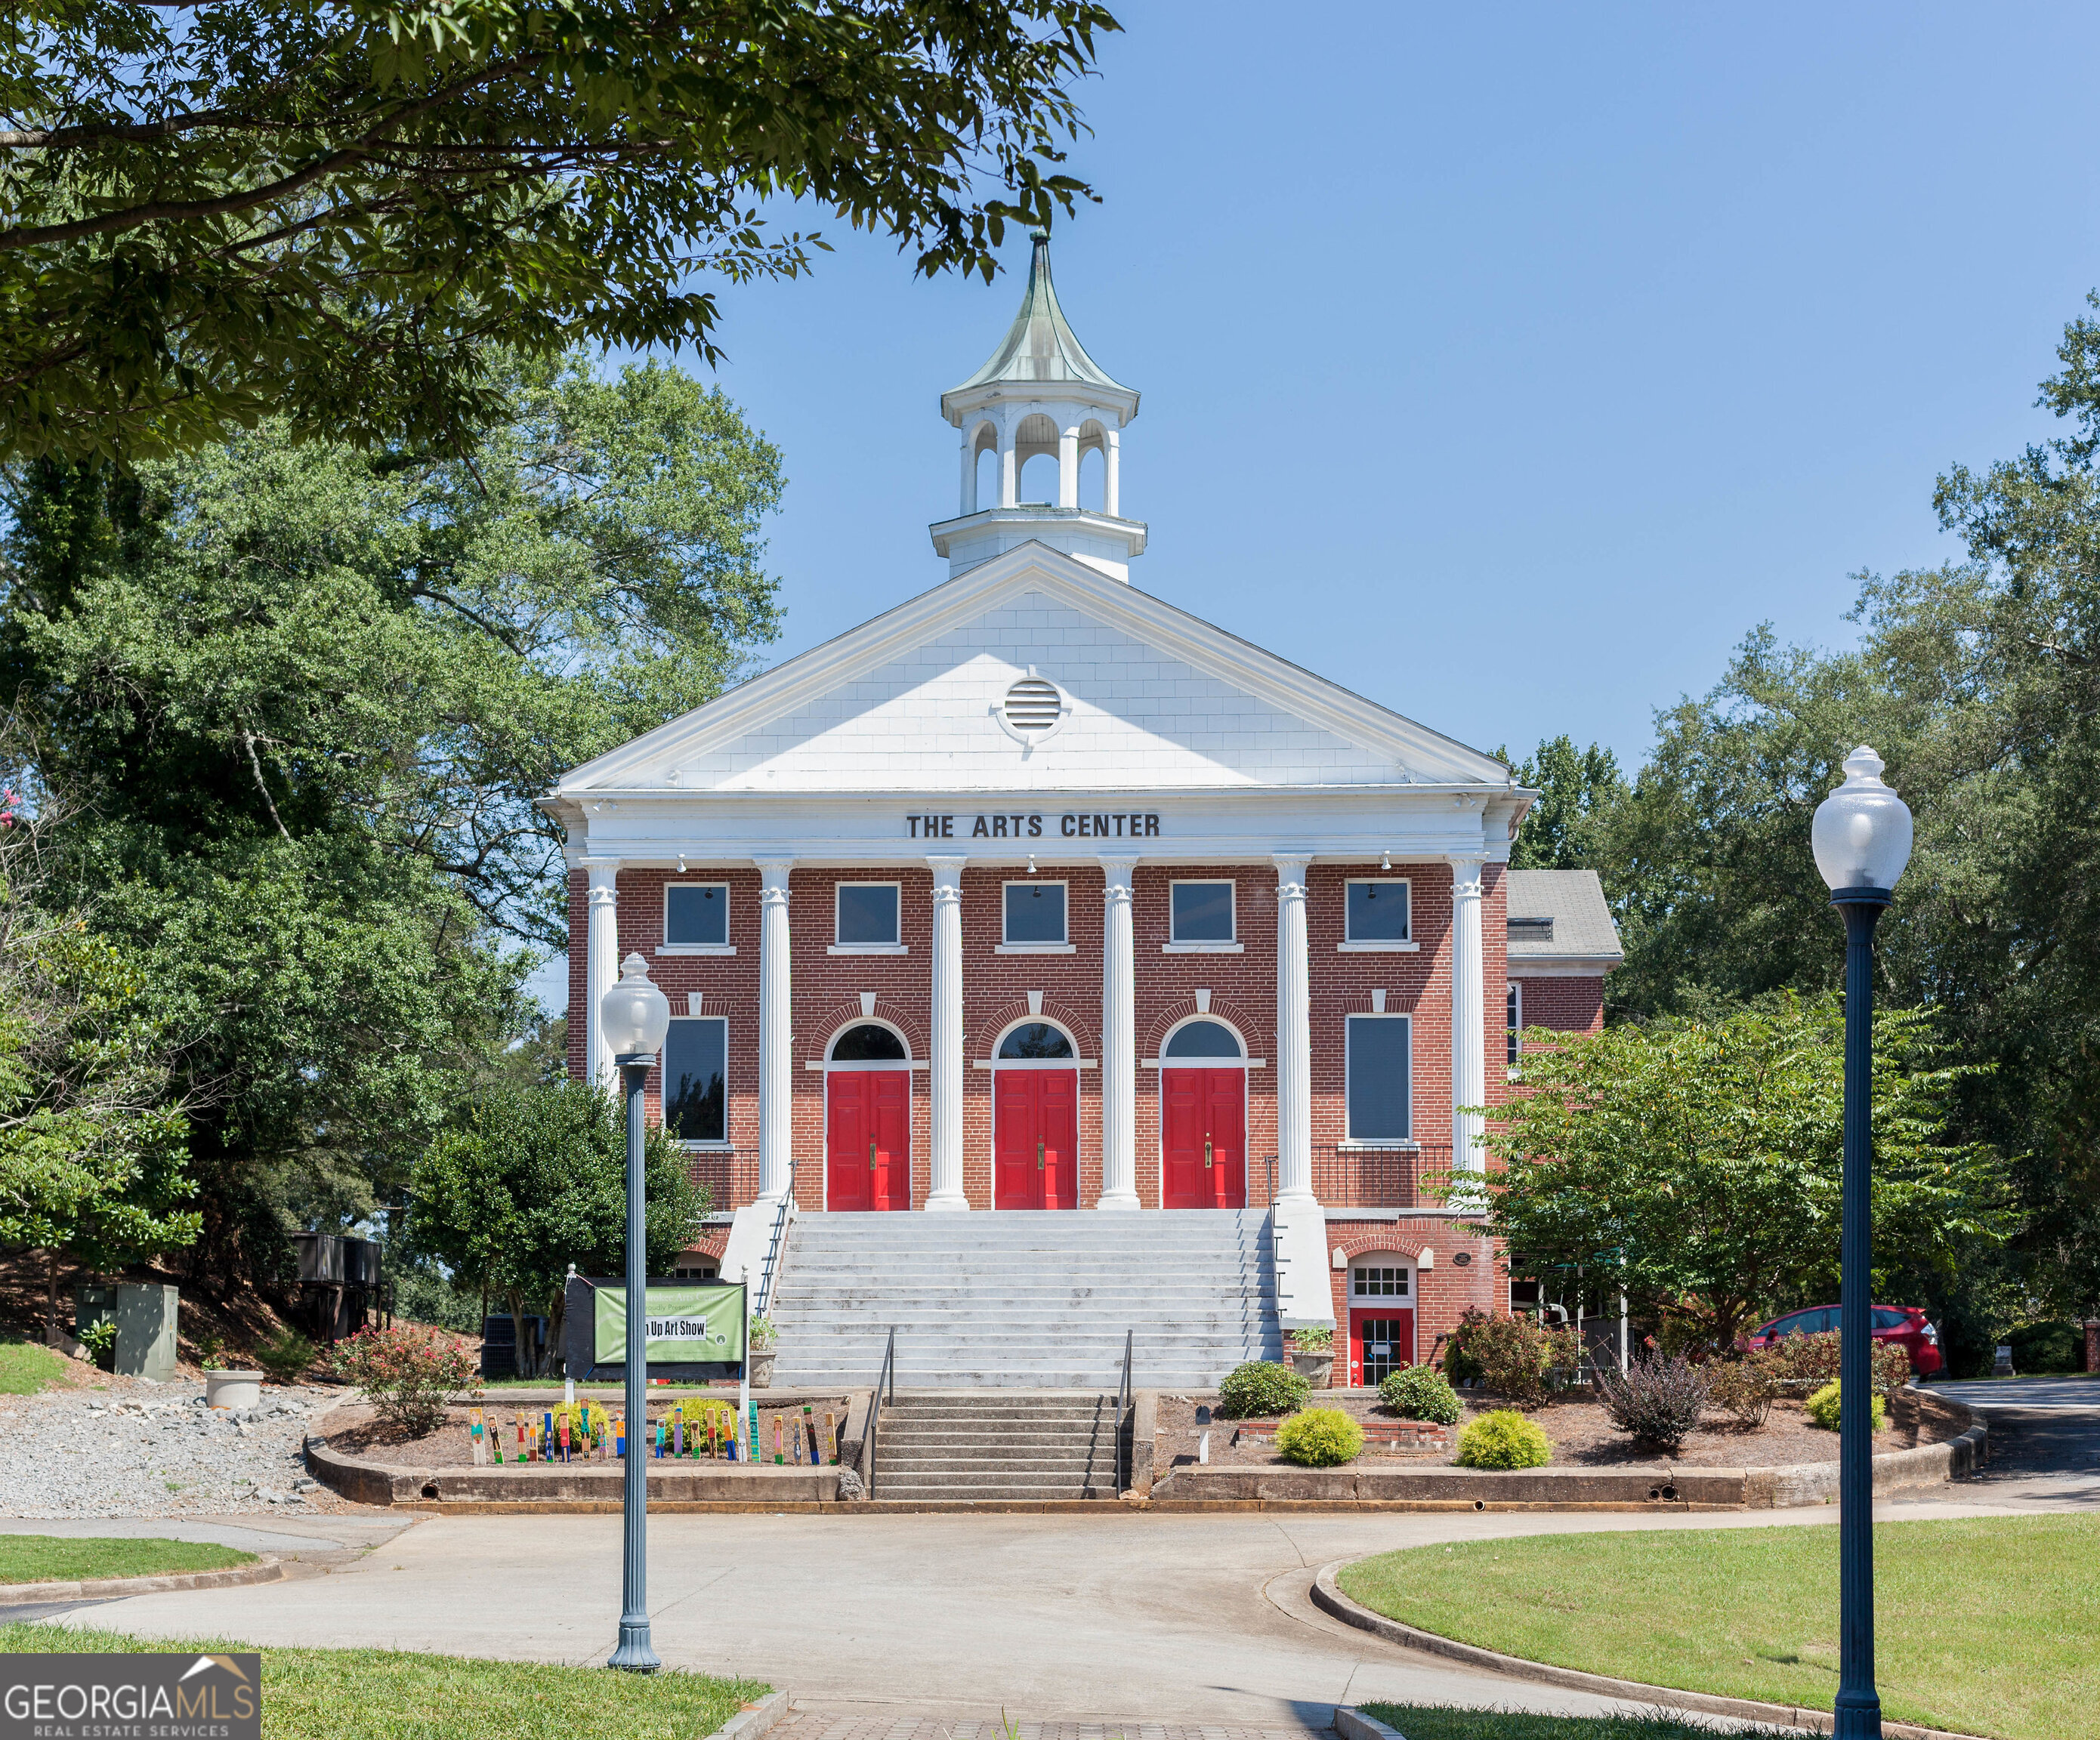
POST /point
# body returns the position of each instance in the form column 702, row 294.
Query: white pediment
column 1158, row 699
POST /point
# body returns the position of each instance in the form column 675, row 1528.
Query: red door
column 1381, row 1342
column 1203, row 1139
column 867, row 1143
column 1035, row 1138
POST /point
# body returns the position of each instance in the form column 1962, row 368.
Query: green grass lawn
column 25, row 1368
column 1984, row 1625
column 1445, row 1722
column 385, row 1694
column 48, row 1558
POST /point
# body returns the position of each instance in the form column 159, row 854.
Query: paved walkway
column 1121, row 1618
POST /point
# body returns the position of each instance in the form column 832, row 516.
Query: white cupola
column 1041, row 394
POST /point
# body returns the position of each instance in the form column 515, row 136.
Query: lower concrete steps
column 942, row 1447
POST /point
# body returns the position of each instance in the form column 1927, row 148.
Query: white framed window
column 1378, row 914
column 867, row 919
column 695, row 1271
column 1516, row 1025
column 1202, row 917
column 1033, row 919
column 696, row 918
column 1379, row 1070
column 1383, row 1277
column 696, row 1078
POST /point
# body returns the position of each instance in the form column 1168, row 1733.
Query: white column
column 776, row 1032
column 1112, row 476
column 1294, row 1039
column 1118, row 1041
column 946, row 1174
column 601, row 963
column 1067, row 468
column 1009, row 469
column 970, row 469
column 1469, row 1063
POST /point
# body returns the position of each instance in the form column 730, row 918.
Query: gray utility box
column 146, row 1320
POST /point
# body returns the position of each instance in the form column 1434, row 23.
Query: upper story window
column 1035, row 912
column 1379, row 1069
column 1377, row 912
column 869, row 915
column 695, row 915
column 1201, row 912
column 695, row 1076
column 1516, row 1024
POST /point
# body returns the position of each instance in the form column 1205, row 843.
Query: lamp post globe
column 634, row 1017
column 1862, row 841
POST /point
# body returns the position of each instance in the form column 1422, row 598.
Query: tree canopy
column 329, row 211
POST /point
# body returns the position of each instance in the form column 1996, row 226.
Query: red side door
column 1381, row 1342
column 1035, row 1138
column 867, row 1153
column 1203, row 1139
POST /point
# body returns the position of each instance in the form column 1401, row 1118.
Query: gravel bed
column 135, row 1449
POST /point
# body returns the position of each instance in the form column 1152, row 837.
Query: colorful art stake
column 678, row 1434
column 519, row 1420
column 778, row 1458
column 561, row 1434
column 480, row 1443
column 831, row 1437
column 619, row 1437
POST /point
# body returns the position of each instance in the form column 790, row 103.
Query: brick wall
column 1443, row 1292
column 1568, row 1006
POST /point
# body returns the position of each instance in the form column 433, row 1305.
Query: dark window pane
column 695, row 1060
column 1378, row 1068
column 1202, row 1039
column 1035, row 1039
column 1885, row 1318
column 1202, row 912
column 1378, row 912
column 1035, row 912
column 869, row 1044
column 867, row 914
column 696, row 912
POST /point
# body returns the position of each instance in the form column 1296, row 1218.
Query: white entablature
column 1040, row 393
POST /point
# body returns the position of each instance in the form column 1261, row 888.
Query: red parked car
column 1904, row 1323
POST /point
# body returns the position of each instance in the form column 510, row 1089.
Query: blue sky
column 1505, row 364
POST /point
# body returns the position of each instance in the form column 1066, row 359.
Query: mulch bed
column 357, row 1432
column 1581, row 1435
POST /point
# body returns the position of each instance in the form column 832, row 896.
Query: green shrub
column 1316, row 1340
column 1320, row 1437
column 1824, row 1407
column 1743, row 1389
column 2048, row 1347
column 1811, row 1361
column 99, row 1339
column 1262, row 1388
column 1416, row 1392
column 1514, row 1355
column 284, row 1357
column 1503, row 1439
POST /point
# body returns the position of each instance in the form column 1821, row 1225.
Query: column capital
column 947, row 870
column 1466, row 867
column 1291, row 868
column 773, row 872
column 1116, row 868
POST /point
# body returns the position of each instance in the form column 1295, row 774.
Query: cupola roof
column 1041, row 347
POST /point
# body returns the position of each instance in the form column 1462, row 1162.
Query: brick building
column 1036, row 896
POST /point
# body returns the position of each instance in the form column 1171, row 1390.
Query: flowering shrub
column 1503, row 1439
column 1416, row 1392
column 1261, row 1388
column 1319, row 1438
column 1743, row 1389
column 407, row 1374
column 1808, row 1362
column 1658, row 1400
column 1513, row 1356
column 1824, row 1407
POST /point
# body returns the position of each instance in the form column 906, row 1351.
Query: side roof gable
column 1160, row 697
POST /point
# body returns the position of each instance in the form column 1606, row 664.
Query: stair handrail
column 887, row 1375
column 1123, row 1411
column 1271, row 1159
column 776, row 1247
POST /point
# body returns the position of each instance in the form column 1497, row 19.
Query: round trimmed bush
column 1503, row 1439
column 1319, row 1438
column 1262, row 1388
column 1419, row 1392
column 1824, row 1405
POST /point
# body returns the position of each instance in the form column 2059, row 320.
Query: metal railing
column 776, row 1248
column 1270, row 1161
column 887, row 1375
column 1126, row 1421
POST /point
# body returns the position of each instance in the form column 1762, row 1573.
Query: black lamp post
column 1862, row 838
column 634, row 1016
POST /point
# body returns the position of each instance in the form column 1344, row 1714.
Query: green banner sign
column 687, row 1325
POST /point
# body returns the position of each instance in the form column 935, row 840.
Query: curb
column 1328, row 1596
column 1354, row 1724
column 753, row 1720
column 98, row 1588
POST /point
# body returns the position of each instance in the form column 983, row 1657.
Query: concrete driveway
column 2044, row 1444
column 1175, row 1619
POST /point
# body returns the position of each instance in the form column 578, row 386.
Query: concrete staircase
column 1026, row 1301
column 948, row 1447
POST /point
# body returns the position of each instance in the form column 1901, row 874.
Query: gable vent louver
column 1032, row 705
